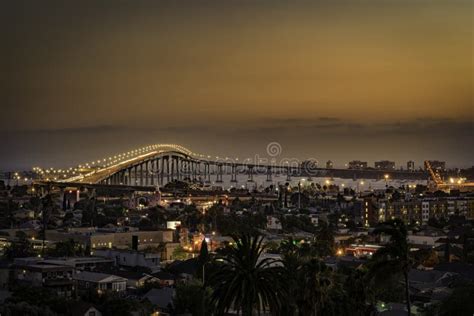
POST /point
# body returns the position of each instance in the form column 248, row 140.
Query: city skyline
column 354, row 80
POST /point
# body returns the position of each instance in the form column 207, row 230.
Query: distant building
column 438, row 165
column 131, row 259
column 32, row 272
column 363, row 250
column 427, row 237
column 173, row 224
column 329, row 164
column 385, row 165
column 273, row 223
column 314, row 219
column 357, row 164
column 82, row 263
column 106, row 239
column 411, row 165
column 100, row 282
column 370, row 214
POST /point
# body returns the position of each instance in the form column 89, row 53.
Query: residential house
column 100, row 282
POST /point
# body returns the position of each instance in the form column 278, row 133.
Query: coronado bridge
column 156, row 165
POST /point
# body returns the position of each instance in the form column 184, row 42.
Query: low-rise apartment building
column 121, row 240
column 58, row 278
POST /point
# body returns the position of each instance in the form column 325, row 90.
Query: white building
column 273, row 223
column 101, row 282
column 427, row 237
column 132, row 259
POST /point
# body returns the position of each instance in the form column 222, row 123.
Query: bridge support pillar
column 193, row 171
column 207, row 173
column 178, row 165
column 158, row 170
column 219, row 174
column 233, row 174
column 288, row 174
column 162, row 174
column 186, row 168
column 181, row 168
column 250, row 173
column 154, row 175
column 269, row 174
column 152, row 171
column 172, row 173
column 141, row 174
column 135, row 174
column 147, row 175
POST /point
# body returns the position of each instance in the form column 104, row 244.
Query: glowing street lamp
column 359, row 183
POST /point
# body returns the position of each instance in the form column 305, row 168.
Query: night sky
column 337, row 80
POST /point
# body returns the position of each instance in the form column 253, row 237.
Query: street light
column 361, row 183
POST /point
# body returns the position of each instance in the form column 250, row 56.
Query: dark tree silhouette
column 393, row 257
column 244, row 281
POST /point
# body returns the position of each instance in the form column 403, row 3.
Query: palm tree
column 357, row 290
column 245, row 282
column 393, row 257
column 315, row 283
column 292, row 258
